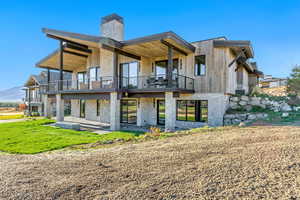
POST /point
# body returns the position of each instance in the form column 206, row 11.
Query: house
column 271, row 82
column 158, row 79
column 34, row 94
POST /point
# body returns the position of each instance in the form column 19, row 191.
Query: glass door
column 128, row 111
column 129, row 75
column 161, row 112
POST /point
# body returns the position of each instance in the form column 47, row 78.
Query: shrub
column 155, row 131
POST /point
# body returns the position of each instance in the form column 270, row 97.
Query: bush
column 154, row 131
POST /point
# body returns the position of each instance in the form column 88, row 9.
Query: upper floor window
column 94, row 73
column 161, row 68
column 200, row 65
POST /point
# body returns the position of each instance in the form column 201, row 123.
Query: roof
column 214, row 38
column 159, row 36
column 236, row 45
column 42, row 78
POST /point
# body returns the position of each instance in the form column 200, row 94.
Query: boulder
column 248, row 107
column 284, row 107
column 236, row 121
column 234, row 105
column 234, row 99
column 260, row 116
column 285, row 114
column 255, row 101
column 251, row 116
column 242, row 116
column 243, row 103
column 229, row 116
column 244, row 98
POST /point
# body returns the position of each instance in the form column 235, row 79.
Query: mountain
column 14, row 94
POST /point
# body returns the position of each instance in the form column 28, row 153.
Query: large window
column 161, row 67
column 190, row 110
column 94, row 73
column 129, row 74
column 200, row 65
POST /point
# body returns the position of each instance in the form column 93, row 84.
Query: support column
column 170, row 111
column 59, row 108
column 170, row 66
column 61, row 65
column 115, row 112
column 47, row 107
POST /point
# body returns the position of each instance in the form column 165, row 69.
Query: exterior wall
column 91, row 110
column 231, row 74
column 146, row 112
column 216, row 68
column 75, row 108
column 253, row 81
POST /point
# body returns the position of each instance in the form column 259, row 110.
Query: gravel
column 238, row 163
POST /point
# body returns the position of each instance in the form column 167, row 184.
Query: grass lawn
column 30, row 137
column 7, row 117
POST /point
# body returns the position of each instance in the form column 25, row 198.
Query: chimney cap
column 111, row 17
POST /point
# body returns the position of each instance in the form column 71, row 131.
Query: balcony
column 104, row 83
column 139, row 83
column 157, row 82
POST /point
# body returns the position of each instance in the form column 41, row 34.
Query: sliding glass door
column 129, row 75
column 128, row 111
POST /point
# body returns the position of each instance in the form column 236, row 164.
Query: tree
column 293, row 85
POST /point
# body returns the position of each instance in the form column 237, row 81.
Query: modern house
column 158, row 79
column 35, row 89
column 269, row 81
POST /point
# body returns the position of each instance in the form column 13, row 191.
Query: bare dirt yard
column 236, row 163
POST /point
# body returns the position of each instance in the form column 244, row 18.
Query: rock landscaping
column 247, row 109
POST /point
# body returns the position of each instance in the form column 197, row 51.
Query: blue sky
column 272, row 26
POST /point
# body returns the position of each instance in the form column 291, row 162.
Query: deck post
column 61, row 64
column 59, row 108
column 170, row 66
column 115, row 112
column 47, row 106
column 170, row 110
column 115, row 70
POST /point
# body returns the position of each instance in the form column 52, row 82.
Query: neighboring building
column 154, row 80
column 271, row 82
column 34, row 93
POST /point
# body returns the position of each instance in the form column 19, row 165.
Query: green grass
column 31, row 137
column 7, row 117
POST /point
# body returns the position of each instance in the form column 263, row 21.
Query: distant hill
column 14, row 94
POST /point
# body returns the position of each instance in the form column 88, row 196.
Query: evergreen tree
column 293, row 86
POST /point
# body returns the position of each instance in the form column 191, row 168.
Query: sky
column 272, row 26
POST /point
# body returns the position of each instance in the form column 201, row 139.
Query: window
column 161, row 67
column 129, row 74
column 194, row 111
column 94, row 73
column 98, row 108
column 200, row 65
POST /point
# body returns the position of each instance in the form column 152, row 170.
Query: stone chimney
column 112, row 26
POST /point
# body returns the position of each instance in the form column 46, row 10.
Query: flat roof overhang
column 157, row 45
column 237, row 46
column 71, row 61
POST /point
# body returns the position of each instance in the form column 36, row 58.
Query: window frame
column 97, row 71
column 198, row 66
column 198, row 106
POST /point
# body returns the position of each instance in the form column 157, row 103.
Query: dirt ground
column 241, row 163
